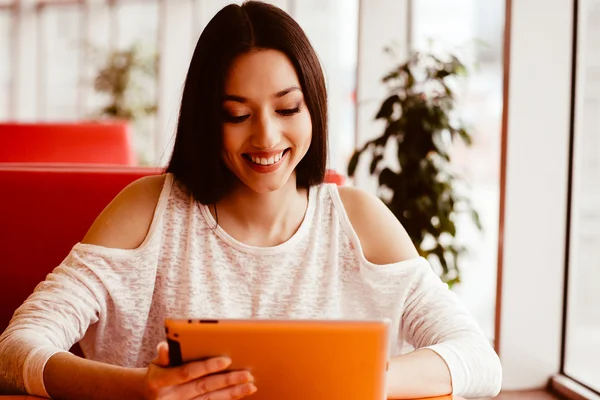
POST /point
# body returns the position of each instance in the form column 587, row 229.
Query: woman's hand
column 202, row 380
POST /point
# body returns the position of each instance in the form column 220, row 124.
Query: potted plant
column 125, row 78
column 422, row 191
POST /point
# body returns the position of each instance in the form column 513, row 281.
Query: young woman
column 240, row 226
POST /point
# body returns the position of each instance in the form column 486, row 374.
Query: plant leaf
column 387, row 108
column 476, row 219
column 353, row 163
column 375, row 162
column 465, row 136
column 442, row 73
column 388, row 178
column 392, row 129
column 390, row 76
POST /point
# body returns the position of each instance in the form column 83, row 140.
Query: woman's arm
column 453, row 355
column 96, row 381
column 50, row 321
column 421, row 373
column 70, row 377
column 434, row 318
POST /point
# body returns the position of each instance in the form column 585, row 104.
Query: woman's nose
column 266, row 134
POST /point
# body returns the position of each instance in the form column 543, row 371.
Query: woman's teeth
column 266, row 161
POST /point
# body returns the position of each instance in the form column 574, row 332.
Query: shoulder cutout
column 382, row 238
column 125, row 222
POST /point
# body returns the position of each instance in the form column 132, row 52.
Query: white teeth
column 265, row 161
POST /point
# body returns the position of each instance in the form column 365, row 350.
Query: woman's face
column 267, row 128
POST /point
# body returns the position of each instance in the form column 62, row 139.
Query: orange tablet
column 292, row 359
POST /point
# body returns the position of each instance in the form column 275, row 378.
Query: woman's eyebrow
column 286, row 91
column 243, row 100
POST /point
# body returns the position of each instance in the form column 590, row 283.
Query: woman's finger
column 163, row 354
column 213, row 383
column 230, row 393
column 191, row 371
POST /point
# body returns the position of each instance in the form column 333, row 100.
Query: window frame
column 538, row 37
column 563, row 383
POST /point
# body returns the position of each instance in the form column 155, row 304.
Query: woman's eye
column 236, row 119
column 289, row 111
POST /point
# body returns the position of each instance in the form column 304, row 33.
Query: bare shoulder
column 382, row 238
column 125, row 222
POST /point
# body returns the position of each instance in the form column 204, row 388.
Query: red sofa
column 81, row 142
column 44, row 211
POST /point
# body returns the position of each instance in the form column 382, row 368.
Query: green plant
column 422, row 191
column 124, row 77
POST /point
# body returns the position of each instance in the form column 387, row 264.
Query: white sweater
column 114, row 301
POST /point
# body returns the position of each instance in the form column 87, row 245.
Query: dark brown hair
column 196, row 159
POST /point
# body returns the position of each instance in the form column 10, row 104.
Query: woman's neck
column 262, row 219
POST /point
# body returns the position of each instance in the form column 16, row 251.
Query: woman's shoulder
column 126, row 221
column 382, row 237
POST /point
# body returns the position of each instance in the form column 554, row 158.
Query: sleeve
column 436, row 319
column 54, row 317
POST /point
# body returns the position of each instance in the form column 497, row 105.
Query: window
column 6, row 33
column 582, row 331
column 137, row 24
column 473, row 31
column 332, row 27
column 58, row 62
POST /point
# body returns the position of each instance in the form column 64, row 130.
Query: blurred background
column 121, row 64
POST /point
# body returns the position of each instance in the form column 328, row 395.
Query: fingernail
column 223, row 362
column 251, row 388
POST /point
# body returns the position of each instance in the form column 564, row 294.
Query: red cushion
column 97, row 143
column 45, row 211
column 333, row 177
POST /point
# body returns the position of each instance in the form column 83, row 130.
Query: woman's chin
column 265, row 187
column 267, row 184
